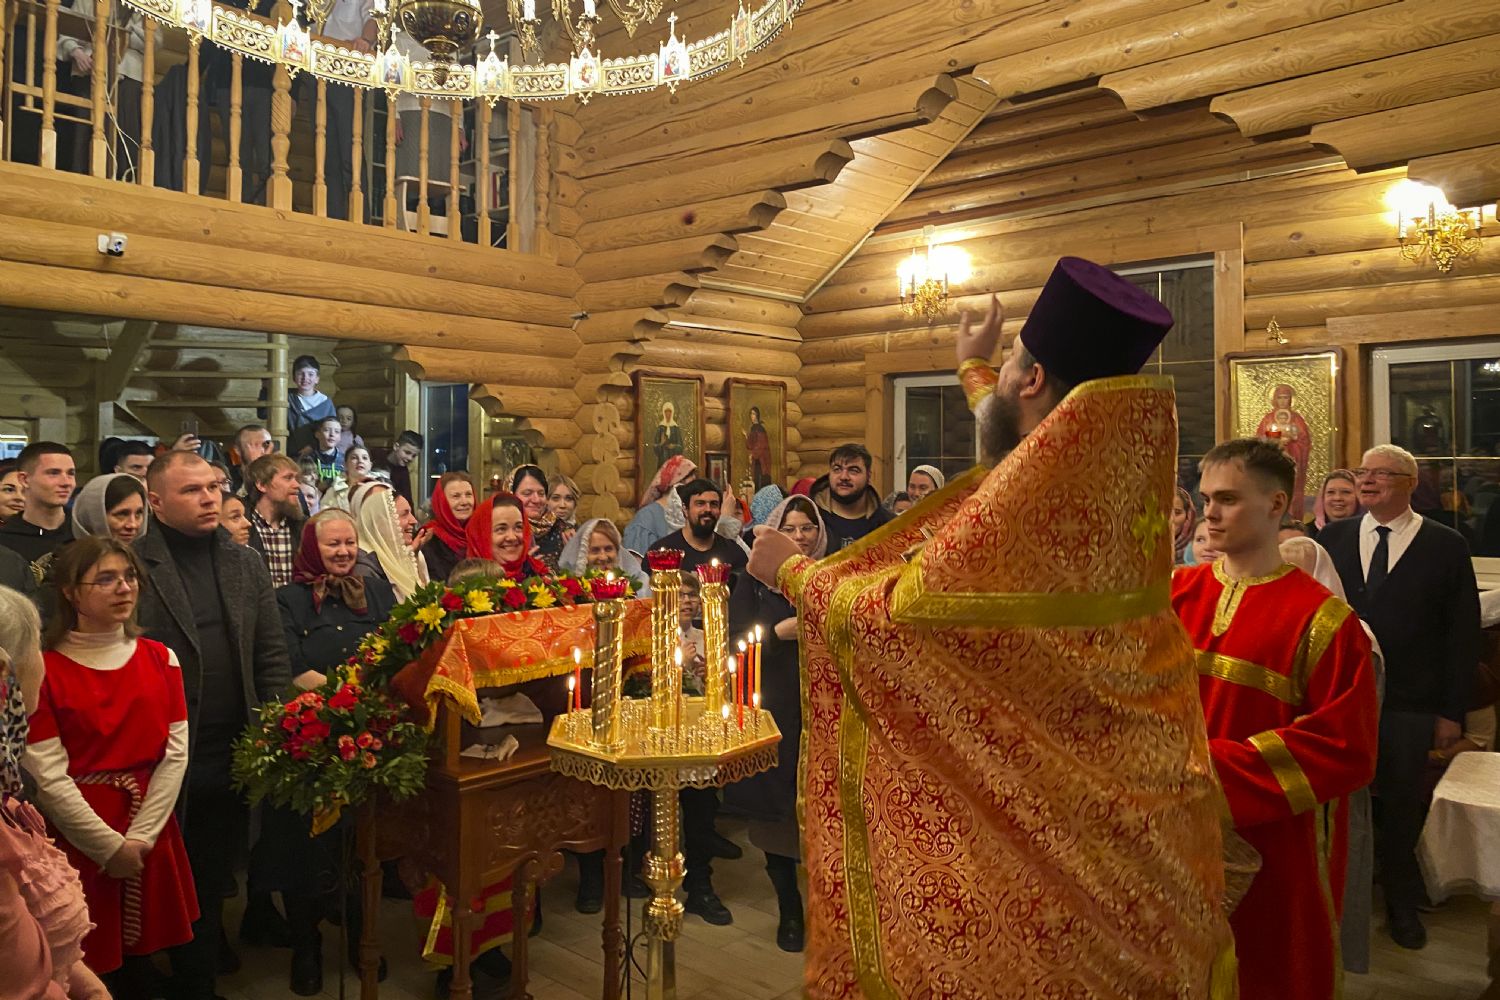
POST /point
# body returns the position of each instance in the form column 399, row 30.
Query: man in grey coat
column 212, row 603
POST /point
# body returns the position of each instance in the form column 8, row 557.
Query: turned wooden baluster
column 391, row 115
column 234, row 186
column 455, row 228
column 99, row 93
column 280, row 186
column 147, row 168
column 482, row 170
column 190, row 177
column 424, row 213
column 49, row 87
column 320, row 152
column 357, row 159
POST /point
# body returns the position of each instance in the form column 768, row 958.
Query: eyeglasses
column 112, row 581
column 1384, row 475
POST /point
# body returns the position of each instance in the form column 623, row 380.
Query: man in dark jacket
column 850, row 505
column 212, row 603
column 16, row 573
column 48, row 480
column 1412, row 580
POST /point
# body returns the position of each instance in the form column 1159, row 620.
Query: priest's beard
column 999, row 420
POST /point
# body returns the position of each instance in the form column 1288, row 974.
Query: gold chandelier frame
column 493, row 78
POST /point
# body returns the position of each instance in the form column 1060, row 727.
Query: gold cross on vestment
column 1149, row 525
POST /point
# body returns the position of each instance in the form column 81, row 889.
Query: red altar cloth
column 498, row 650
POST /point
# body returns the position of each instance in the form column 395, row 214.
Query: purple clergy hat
column 1091, row 323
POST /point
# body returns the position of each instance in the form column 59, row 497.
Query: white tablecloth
column 1460, row 847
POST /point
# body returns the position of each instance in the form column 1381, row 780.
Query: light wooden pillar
column 280, row 185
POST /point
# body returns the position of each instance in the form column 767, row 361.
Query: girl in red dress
column 108, row 748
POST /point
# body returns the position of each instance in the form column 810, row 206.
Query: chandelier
column 1429, row 227
column 926, row 275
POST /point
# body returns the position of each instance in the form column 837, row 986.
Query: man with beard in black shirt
column 850, row 505
column 211, row 602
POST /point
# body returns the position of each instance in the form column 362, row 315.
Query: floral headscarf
column 308, row 568
column 480, row 541
column 1320, row 516
column 1184, row 538
column 677, row 469
column 803, row 504
column 764, row 502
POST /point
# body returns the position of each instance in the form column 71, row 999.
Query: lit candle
column 572, row 691
column 734, row 691
column 739, row 691
column 757, row 662
column 578, row 674
column 724, row 721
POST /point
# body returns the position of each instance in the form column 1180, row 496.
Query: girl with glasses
column 108, row 748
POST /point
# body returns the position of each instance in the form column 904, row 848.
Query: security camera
column 112, row 244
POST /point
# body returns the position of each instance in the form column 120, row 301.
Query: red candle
column 739, row 688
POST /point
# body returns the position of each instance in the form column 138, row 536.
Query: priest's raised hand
column 769, row 553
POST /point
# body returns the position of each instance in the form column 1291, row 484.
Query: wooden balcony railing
column 92, row 87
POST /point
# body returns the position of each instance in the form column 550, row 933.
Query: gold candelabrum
column 1444, row 235
column 667, row 742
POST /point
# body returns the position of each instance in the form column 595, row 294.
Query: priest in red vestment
column 1006, row 791
column 1288, row 691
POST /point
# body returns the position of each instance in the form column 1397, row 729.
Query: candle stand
column 661, row 745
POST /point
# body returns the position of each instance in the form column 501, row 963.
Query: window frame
column 899, row 385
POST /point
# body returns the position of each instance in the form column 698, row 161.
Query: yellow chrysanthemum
column 379, row 646
column 479, row 601
column 541, row 597
column 431, row 616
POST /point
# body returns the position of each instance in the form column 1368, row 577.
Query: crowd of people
column 138, row 639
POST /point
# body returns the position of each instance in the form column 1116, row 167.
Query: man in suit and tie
column 1412, row 580
column 212, row 603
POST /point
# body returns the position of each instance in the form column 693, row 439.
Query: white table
column 1460, row 846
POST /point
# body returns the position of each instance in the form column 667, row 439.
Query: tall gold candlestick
column 666, row 588
column 715, row 578
column 609, row 656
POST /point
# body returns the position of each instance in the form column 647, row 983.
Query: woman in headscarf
column 326, row 611
column 108, row 748
column 660, row 506
column 597, row 545
column 528, row 484
column 113, row 505
column 1337, row 500
column 769, row 799
column 1184, row 520
column 452, row 506
column 763, row 503
column 898, row 502
column 44, row 917
column 385, row 551
column 500, row 530
column 924, row 479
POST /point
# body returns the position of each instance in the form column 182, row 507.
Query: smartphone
column 190, row 426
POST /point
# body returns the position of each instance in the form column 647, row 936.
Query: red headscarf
column 803, row 487
column 443, row 524
column 677, row 469
column 308, row 568
column 480, row 542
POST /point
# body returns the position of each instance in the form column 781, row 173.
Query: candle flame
column 724, row 712
column 755, row 700
column 757, row 633
column 577, row 655
column 609, row 577
column 742, row 645
column 732, row 664
column 678, row 656
column 570, row 682
column 713, row 562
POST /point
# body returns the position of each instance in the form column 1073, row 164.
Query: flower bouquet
column 331, row 747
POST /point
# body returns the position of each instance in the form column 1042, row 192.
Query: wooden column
column 541, row 241
column 320, row 152
column 280, row 185
column 391, row 118
column 482, row 169
column 49, row 87
column 147, row 166
column 424, row 213
column 99, row 93
column 455, row 224
column 276, row 403
column 234, row 187
column 513, row 113
column 4, row 79
column 357, row 159
column 190, row 182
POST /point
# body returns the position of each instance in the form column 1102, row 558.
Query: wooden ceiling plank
column 1392, row 137
column 1153, row 39
column 759, row 243
column 1312, row 48
column 1467, row 177
column 1413, row 78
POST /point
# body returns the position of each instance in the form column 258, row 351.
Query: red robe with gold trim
column 1288, row 692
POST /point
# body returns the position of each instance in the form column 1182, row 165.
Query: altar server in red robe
column 108, row 748
column 1288, row 690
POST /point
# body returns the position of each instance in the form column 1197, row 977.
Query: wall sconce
column 926, row 276
column 1428, row 226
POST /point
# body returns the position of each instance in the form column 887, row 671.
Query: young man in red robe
column 1288, row 690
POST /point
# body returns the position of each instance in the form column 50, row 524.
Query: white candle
column 528, row 10
column 589, row 10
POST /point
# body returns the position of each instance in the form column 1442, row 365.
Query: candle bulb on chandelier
column 528, row 12
column 589, row 9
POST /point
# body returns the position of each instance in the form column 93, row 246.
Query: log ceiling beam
column 1468, row 177
column 1463, row 67
column 727, row 216
column 125, row 356
column 1393, row 137
column 1308, row 48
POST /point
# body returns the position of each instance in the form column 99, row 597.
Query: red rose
column 348, row 752
column 369, row 759
column 363, row 740
column 291, row 708
column 573, row 587
column 375, row 744
column 315, row 731
column 451, row 601
column 344, row 698
column 410, row 633
column 309, row 715
column 515, row 597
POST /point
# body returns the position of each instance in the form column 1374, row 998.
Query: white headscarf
column 779, row 514
column 373, row 504
column 575, row 554
column 932, row 473
column 90, row 517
